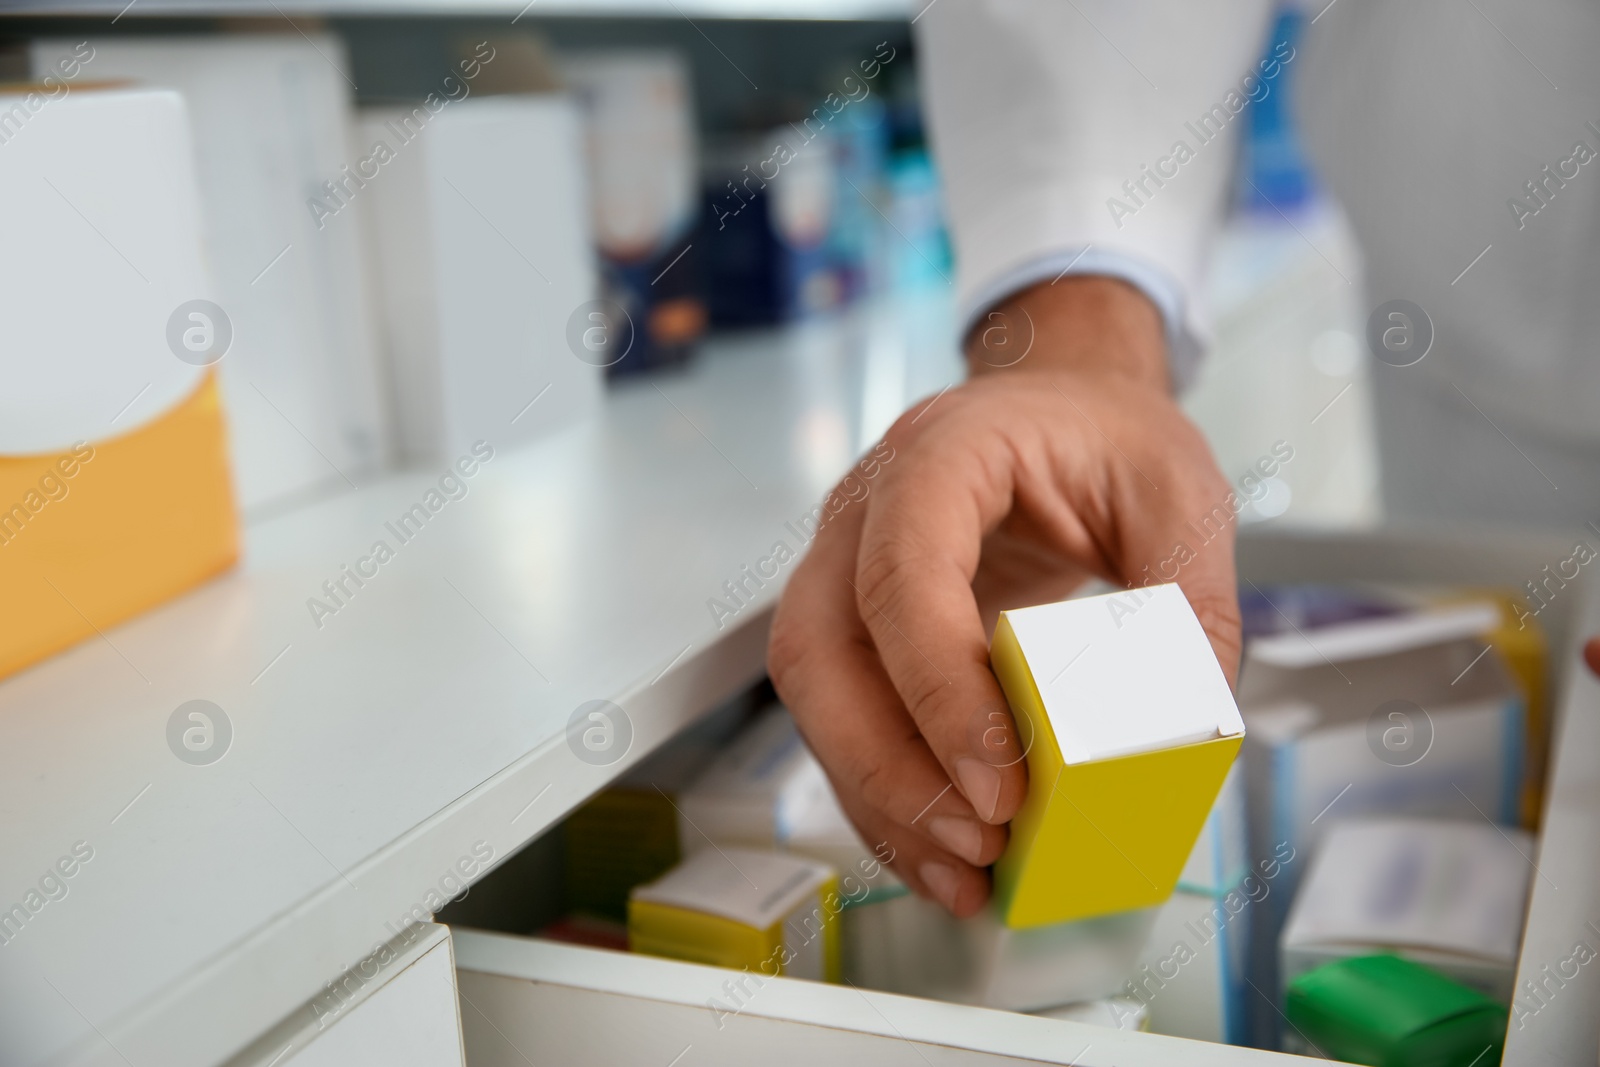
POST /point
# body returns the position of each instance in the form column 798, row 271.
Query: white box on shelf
column 1448, row 894
column 480, row 227
column 272, row 123
column 643, row 170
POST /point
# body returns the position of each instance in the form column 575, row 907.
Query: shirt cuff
column 1183, row 347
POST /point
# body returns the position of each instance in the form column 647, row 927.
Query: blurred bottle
column 856, row 239
column 639, row 127
column 770, row 206
column 919, row 257
column 1273, row 174
column 920, row 245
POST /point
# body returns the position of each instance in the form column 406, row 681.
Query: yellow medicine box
column 767, row 912
column 114, row 480
column 1129, row 728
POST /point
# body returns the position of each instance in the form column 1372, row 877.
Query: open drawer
column 529, row 1001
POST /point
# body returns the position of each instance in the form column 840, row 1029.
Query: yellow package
column 1130, row 729
column 767, row 912
column 115, row 492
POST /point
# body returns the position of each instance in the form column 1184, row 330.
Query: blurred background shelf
column 1287, row 361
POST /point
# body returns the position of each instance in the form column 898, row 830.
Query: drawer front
column 1558, row 975
column 397, row 1008
column 526, row 1001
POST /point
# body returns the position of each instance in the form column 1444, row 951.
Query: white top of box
column 101, row 267
column 1458, row 887
column 1126, row 672
column 754, row 888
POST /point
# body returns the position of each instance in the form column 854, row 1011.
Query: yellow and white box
column 767, row 912
column 115, row 492
column 1129, row 729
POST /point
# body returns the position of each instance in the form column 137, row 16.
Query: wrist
column 1083, row 324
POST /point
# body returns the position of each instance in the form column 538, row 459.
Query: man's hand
column 1069, row 462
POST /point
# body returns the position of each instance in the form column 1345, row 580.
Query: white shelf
column 837, row 10
column 426, row 716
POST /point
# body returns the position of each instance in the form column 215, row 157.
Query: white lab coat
column 1425, row 118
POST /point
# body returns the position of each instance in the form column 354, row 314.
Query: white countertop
column 427, row 715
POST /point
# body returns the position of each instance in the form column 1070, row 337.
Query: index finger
column 920, row 546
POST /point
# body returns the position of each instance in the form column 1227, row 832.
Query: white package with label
column 756, row 791
column 823, row 832
column 1405, row 715
column 1448, row 894
column 480, row 226
column 272, row 123
column 913, row 946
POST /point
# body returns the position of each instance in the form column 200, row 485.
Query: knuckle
column 886, row 577
column 924, row 697
column 787, row 646
column 916, row 422
column 881, row 779
column 874, row 786
column 884, row 573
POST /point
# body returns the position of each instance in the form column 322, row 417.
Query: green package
column 1389, row 1012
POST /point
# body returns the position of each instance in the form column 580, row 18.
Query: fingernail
column 959, row 835
column 942, row 881
column 980, row 783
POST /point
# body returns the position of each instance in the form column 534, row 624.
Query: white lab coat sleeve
column 1057, row 125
